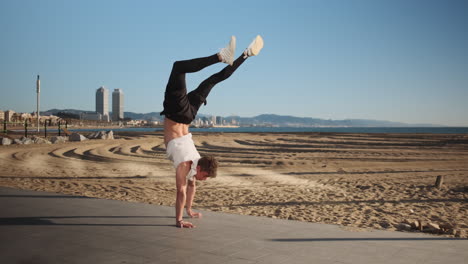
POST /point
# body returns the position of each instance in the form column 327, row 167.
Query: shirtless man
column 180, row 110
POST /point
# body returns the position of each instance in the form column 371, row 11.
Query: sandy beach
column 358, row 181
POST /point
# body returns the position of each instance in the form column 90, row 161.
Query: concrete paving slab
column 40, row 227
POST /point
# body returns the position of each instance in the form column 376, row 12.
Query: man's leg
column 175, row 97
column 180, row 68
column 176, row 81
column 199, row 95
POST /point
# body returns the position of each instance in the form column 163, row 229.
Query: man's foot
column 192, row 214
column 227, row 53
column 183, row 224
column 254, row 47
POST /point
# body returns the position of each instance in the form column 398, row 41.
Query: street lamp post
column 38, row 91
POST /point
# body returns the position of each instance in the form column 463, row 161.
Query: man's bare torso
column 174, row 130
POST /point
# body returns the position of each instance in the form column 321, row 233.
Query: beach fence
column 9, row 127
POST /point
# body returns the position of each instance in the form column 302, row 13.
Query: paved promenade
column 38, row 227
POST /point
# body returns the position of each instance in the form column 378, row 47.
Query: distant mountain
column 292, row 121
column 148, row 116
column 268, row 120
column 131, row 115
column 71, row 111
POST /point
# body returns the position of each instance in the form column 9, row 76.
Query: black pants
column 182, row 107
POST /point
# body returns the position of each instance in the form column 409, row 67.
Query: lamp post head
column 38, row 85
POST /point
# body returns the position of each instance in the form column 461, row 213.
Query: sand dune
column 354, row 180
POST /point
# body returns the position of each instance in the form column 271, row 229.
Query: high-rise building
column 219, row 120
column 9, row 115
column 102, row 102
column 117, row 105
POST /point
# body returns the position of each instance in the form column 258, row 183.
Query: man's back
column 174, row 130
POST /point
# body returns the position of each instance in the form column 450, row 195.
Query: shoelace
column 226, row 53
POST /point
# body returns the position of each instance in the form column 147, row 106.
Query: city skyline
column 401, row 61
column 208, row 119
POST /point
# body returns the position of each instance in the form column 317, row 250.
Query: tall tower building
column 102, row 101
column 117, row 105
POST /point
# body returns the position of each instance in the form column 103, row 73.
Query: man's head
column 207, row 167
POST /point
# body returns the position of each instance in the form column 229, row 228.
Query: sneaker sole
column 256, row 45
column 232, row 47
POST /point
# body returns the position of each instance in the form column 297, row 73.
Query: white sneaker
column 254, row 47
column 227, row 53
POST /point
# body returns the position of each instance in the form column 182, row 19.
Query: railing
column 18, row 125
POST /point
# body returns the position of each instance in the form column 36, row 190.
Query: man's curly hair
column 209, row 164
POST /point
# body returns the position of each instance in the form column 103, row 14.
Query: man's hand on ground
column 193, row 214
column 183, row 224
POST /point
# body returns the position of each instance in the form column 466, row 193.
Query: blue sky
column 395, row 60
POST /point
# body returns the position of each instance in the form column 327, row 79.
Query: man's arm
column 181, row 186
column 191, row 188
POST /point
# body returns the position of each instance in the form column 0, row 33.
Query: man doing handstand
column 180, row 110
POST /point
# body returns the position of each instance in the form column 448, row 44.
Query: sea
column 409, row 130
